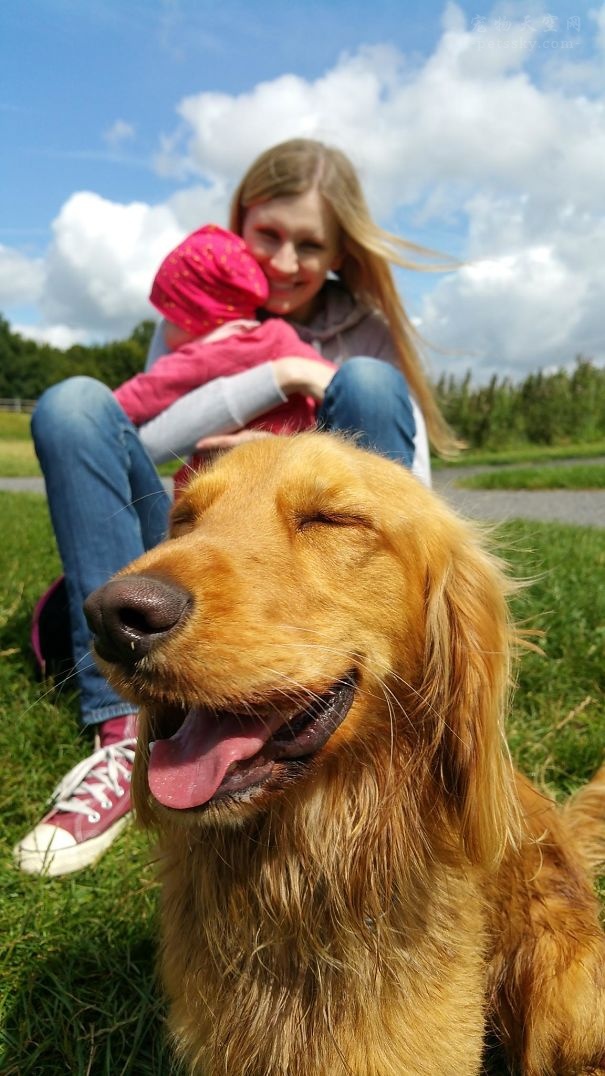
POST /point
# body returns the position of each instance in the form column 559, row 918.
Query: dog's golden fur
column 407, row 896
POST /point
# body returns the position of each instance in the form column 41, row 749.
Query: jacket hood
column 338, row 312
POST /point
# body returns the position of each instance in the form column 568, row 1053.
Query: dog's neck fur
column 313, row 932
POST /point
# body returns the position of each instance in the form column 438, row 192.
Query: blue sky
column 478, row 129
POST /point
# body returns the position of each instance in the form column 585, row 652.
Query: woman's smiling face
column 296, row 241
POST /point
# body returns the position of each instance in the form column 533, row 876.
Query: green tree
column 27, row 367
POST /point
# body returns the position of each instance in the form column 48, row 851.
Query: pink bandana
column 208, row 279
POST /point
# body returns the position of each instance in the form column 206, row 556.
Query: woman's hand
column 305, row 376
column 230, row 328
column 221, row 442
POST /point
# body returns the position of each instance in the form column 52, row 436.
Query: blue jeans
column 370, row 398
column 107, row 505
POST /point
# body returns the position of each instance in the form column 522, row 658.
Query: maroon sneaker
column 90, row 807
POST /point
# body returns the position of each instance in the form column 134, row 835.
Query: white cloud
column 95, row 280
column 101, row 263
column 465, row 117
column 103, row 257
column 469, row 117
column 61, row 336
column 118, row 133
column 598, row 17
column 484, row 132
column 200, row 205
column 21, row 278
column 535, row 306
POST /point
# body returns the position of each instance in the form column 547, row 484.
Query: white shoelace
column 95, row 776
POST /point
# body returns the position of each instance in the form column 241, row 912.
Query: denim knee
column 362, row 376
column 69, row 411
column 367, row 392
column 370, row 398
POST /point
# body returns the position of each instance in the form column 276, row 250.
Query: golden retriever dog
column 354, row 879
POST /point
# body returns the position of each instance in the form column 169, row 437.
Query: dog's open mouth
column 216, row 754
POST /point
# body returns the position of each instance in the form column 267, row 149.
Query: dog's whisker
column 392, row 725
column 58, row 688
column 181, row 459
column 365, row 666
column 133, row 502
column 302, row 693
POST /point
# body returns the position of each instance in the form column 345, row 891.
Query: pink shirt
column 196, row 363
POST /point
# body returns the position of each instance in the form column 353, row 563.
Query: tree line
column 544, row 408
column 27, row 367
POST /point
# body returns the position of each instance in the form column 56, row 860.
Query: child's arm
column 178, row 373
column 228, row 403
column 148, row 394
column 223, row 405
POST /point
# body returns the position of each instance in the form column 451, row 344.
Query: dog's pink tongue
column 186, row 770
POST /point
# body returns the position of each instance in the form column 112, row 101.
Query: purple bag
column 51, row 634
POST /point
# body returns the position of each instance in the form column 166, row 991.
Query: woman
column 302, row 214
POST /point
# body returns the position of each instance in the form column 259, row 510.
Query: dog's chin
column 191, row 779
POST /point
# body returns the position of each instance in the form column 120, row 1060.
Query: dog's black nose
column 129, row 616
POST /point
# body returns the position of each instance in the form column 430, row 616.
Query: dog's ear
column 466, row 684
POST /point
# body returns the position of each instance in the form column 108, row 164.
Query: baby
column 209, row 289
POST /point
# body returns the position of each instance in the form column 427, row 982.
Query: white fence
column 17, row 404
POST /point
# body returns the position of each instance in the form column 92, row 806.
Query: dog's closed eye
column 329, row 519
column 182, row 522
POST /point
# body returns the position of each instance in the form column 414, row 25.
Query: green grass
column 77, row 991
column 17, row 456
column 557, row 724
column 523, row 454
column 18, row 460
column 573, row 476
column 14, row 426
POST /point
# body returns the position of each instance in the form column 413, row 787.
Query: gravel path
column 582, row 507
column 22, row 485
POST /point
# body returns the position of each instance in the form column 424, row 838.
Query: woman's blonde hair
column 294, row 167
